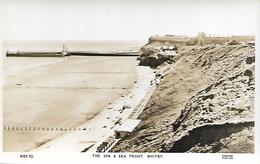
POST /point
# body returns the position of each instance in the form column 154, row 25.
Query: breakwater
column 70, row 53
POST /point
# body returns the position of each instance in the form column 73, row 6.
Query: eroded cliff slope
column 206, row 104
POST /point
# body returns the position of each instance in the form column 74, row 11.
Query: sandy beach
column 103, row 126
column 59, row 93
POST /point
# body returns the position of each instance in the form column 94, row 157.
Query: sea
column 14, row 65
column 72, row 45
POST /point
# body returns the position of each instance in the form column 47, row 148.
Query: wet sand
column 63, row 93
column 101, row 127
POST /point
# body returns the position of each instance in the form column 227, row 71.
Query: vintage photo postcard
column 162, row 80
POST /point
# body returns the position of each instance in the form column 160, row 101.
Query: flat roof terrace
column 128, row 125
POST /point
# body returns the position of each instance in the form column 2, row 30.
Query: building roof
column 128, row 125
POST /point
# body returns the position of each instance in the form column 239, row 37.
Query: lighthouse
column 64, row 50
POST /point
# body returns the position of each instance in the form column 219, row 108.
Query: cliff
column 206, row 104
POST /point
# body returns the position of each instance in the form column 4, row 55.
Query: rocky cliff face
column 155, row 54
column 206, row 104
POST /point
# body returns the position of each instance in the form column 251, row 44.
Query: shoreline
column 59, row 99
column 95, row 134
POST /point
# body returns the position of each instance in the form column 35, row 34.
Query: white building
column 126, row 127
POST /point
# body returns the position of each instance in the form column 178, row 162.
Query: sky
column 126, row 19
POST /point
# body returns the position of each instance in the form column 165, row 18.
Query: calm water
column 14, row 65
column 72, row 45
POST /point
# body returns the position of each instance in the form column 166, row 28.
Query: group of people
column 157, row 79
